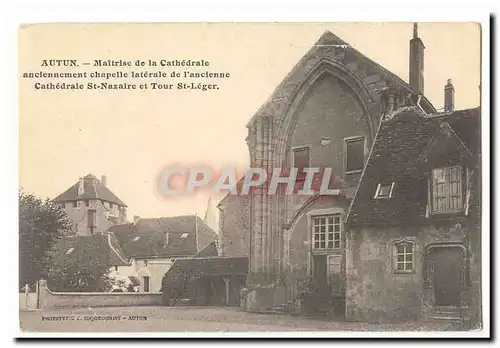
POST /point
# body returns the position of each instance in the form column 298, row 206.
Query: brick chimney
column 81, row 187
column 449, row 97
column 104, row 180
column 416, row 62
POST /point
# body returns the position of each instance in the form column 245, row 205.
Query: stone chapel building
column 325, row 113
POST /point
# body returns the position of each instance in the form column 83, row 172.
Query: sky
column 131, row 136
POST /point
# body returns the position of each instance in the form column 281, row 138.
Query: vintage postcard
column 252, row 178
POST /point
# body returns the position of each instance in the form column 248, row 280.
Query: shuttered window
column 447, row 190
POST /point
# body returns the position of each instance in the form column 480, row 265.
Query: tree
column 41, row 224
column 86, row 268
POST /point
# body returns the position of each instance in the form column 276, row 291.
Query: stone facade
column 234, row 227
column 332, row 95
column 78, row 211
column 154, row 269
column 377, row 293
column 91, row 206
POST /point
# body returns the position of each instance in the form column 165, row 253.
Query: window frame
column 431, row 190
column 353, row 139
column 379, row 187
column 395, row 254
column 326, row 232
column 93, row 226
column 292, row 160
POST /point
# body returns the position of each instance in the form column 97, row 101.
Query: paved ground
column 181, row 319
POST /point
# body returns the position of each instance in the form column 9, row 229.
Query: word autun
column 295, row 181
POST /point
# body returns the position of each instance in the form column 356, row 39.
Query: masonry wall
column 78, row 216
column 234, row 226
column 49, row 299
column 28, row 301
column 330, row 112
column 375, row 293
column 299, row 244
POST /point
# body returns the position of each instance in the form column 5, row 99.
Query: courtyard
column 191, row 319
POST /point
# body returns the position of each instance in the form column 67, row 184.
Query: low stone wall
column 50, row 299
column 28, row 301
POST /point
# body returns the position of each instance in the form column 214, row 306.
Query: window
column 145, row 262
column 326, row 232
column 87, row 203
column 384, row 190
column 69, row 251
column 91, row 221
column 354, row 154
column 75, row 204
column 184, row 235
column 301, row 160
column 446, row 190
column 403, row 257
column 116, row 268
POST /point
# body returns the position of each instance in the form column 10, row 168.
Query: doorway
column 146, row 284
column 445, row 270
column 320, row 273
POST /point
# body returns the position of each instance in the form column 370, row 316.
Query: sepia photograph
column 319, row 178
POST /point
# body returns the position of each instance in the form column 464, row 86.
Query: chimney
column 81, row 188
column 136, row 219
column 104, row 180
column 449, row 97
column 416, row 62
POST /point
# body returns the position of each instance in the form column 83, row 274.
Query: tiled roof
column 147, row 237
column 93, row 189
column 207, row 266
column 209, row 250
column 96, row 247
column 396, row 157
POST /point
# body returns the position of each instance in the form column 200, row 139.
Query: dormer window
column 384, row 191
column 446, row 192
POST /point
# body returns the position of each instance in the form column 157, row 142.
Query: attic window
column 384, row 191
column 184, row 235
column 70, row 250
column 136, row 239
column 447, row 193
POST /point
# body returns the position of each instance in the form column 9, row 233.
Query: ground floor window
column 326, row 232
column 404, row 259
